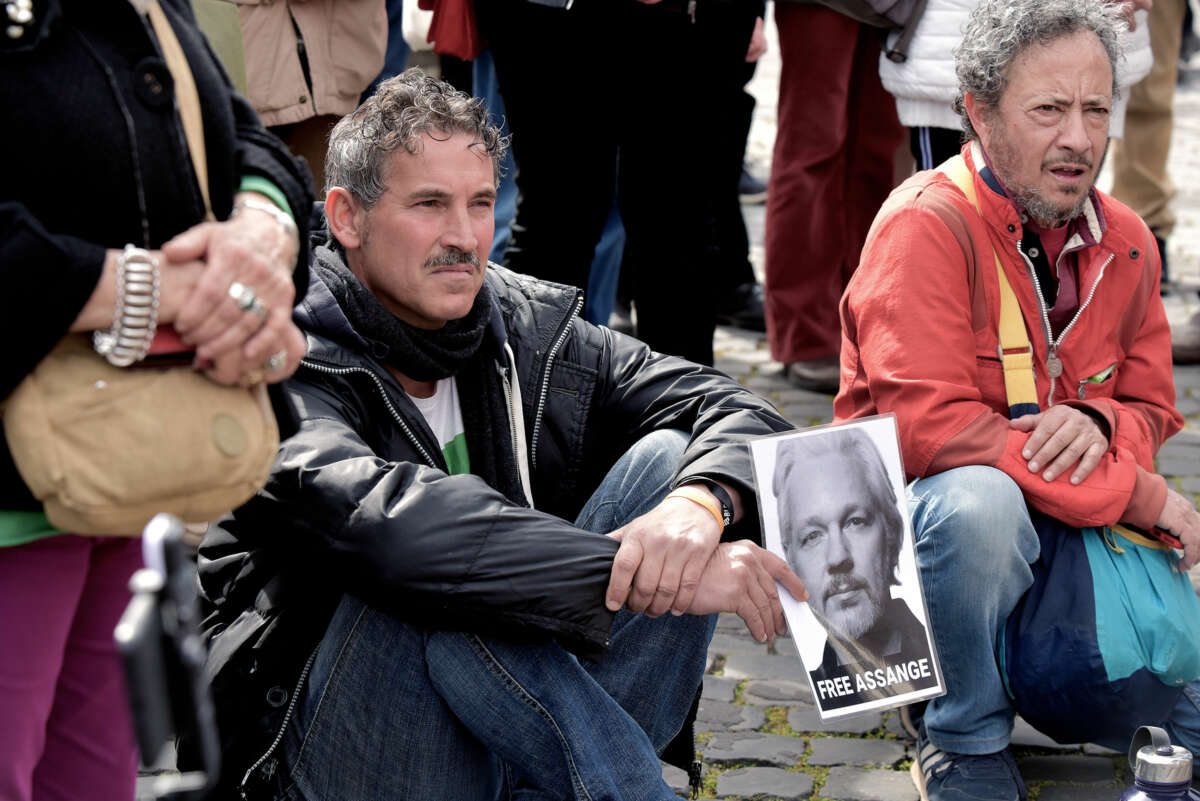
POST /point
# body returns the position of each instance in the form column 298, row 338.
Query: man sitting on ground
column 405, row 612
column 920, row 322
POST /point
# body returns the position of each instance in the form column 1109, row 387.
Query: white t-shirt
column 443, row 413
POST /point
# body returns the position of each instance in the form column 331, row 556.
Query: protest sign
column 833, row 505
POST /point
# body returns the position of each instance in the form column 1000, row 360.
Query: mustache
column 844, row 583
column 448, row 258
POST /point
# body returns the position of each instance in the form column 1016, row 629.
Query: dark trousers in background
column 831, row 171
column 931, row 146
column 615, row 93
column 733, row 126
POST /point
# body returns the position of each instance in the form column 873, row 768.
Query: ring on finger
column 242, row 295
column 276, row 361
column 259, row 308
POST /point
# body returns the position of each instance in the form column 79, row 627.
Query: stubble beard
column 1046, row 212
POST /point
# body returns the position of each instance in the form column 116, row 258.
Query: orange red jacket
column 919, row 338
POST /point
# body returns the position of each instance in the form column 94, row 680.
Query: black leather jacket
column 358, row 502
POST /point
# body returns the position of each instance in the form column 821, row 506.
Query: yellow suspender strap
column 1016, row 354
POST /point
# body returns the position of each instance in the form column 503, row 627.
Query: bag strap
column 186, row 97
column 1014, row 350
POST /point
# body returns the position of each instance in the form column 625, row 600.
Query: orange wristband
column 697, row 496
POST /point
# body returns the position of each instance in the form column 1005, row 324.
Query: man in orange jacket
column 920, row 338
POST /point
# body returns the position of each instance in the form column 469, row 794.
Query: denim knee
column 663, row 447
column 636, row 483
column 979, row 503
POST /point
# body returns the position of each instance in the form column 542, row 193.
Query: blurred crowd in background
column 629, row 124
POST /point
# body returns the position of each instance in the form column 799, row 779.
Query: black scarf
column 461, row 348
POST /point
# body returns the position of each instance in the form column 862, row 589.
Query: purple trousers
column 65, row 730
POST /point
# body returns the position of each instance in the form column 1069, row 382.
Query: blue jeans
column 975, row 543
column 391, row 710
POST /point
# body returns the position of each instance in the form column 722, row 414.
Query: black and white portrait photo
column 833, row 506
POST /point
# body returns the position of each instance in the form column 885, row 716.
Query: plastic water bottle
column 1161, row 771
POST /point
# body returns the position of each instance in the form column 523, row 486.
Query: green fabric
column 455, row 451
column 256, row 183
column 220, row 23
column 18, row 528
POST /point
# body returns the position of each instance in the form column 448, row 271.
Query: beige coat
column 344, row 41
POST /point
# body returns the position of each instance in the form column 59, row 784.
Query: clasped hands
column 671, row 559
column 227, row 288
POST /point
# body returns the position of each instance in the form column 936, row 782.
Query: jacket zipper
column 545, row 389
column 1053, row 345
column 512, row 413
column 287, row 716
column 408, row 432
column 516, row 421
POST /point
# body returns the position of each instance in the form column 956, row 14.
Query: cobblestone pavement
column 758, row 732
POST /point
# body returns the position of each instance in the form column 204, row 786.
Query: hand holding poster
column 833, row 505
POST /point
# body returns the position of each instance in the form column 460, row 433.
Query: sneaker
column 743, row 308
column 751, row 190
column 942, row 776
column 817, row 375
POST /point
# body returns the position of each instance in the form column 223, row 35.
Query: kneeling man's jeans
column 394, row 711
column 975, row 543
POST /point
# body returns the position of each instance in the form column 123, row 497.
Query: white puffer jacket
column 924, row 86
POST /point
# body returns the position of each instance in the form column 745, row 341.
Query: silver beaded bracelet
column 135, row 315
column 279, row 214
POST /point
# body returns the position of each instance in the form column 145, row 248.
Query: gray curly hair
column 402, row 110
column 998, row 31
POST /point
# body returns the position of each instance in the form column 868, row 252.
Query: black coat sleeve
column 47, row 279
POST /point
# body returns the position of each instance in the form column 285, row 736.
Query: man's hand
column 1181, row 519
column 1062, row 436
column 661, row 558
column 740, row 577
